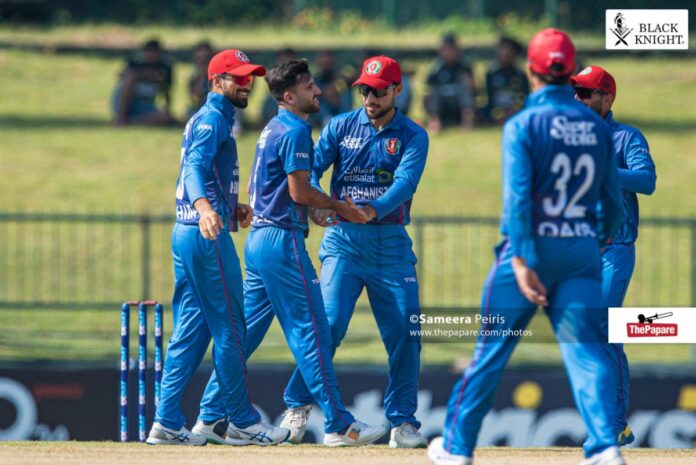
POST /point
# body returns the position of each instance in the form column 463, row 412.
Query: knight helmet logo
column 621, row 31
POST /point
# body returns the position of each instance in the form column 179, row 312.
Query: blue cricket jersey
column 380, row 168
column 558, row 165
column 284, row 146
column 209, row 164
column 636, row 175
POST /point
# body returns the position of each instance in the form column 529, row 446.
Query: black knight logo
column 621, row 31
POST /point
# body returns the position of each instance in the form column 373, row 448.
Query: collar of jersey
column 609, row 119
column 287, row 114
column 395, row 123
column 551, row 92
column 219, row 102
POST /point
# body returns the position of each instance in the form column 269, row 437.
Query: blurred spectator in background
column 147, row 75
column 270, row 106
column 403, row 100
column 506, row 85
column 335, row 87
column 451, row 92
column 198, row 82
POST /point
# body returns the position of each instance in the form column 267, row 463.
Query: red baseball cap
column 549, row 47
column 379, row 72
column 594, row 77
column 234, row 62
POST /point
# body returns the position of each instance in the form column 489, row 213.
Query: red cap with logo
column 596, row 78
column 550, row 48
column 379, row 72
column 234, row 62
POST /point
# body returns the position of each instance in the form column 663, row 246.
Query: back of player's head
column 285, row 76
column 551, row 56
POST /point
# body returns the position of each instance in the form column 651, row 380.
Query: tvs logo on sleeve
column 392, row 146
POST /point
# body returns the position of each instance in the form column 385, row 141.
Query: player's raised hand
column 244, row 215
column 322, row 217
column 529, row 283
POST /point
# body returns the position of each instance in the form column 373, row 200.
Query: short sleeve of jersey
column 294, row 149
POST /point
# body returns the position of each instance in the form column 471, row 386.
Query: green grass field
column 59, row 154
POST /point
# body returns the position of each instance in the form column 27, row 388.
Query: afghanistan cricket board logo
column 373, row 67
column 621, row 31
column 241, row 56
column 392, row 146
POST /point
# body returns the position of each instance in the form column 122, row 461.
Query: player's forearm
column 399, row 192
column 639, row 181
column 194, row 182
column 304, row 194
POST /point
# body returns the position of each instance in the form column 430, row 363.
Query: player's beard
column 311, row 106
column 235, row 97
column 379, row 113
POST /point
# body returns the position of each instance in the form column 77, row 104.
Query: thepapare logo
column 351, row 143
column 646, row 328
column 647, row 29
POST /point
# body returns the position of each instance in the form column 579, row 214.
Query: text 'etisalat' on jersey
column 366, row 162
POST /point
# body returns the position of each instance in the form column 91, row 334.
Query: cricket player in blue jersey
column 378, row 156
column 596, row 88
column 559, row 169
column 208, row 299
column 280, row 277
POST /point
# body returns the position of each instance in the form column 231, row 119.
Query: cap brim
column 245, row 70
column 372, row 81
column 578, row 81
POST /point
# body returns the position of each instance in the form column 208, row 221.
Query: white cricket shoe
column 439, row 456
column 407, row 436
column 610, row 456
column 214, row 431
column 258, row 434
column 295, row 420
column 358, row 434
column 160, row 435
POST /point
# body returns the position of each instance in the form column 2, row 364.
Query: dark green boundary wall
column 574, row 14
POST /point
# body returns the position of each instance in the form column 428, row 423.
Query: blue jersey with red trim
column 209, row 164
column 284, row 146
column 636, row 174
column 380, row 168
column 558, row 165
